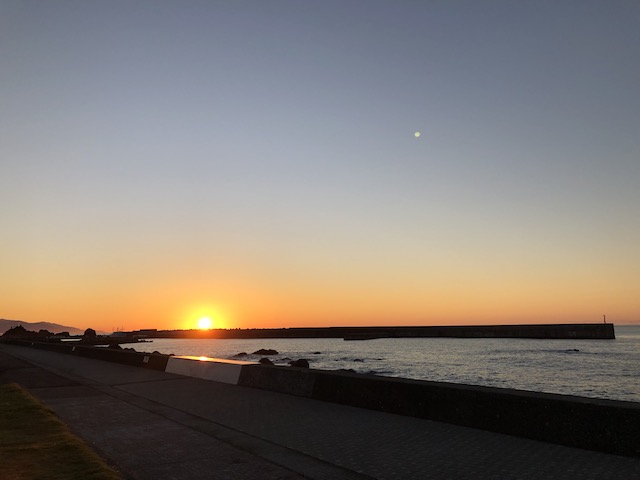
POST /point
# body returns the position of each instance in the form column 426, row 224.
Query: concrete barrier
column 594, row 424
column 216, row 369
column 155, row 361
column 290, row 380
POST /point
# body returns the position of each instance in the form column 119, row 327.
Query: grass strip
column 35, row 444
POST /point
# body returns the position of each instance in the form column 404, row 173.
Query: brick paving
column 156, row 425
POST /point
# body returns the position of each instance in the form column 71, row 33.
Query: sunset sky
column 256, row 162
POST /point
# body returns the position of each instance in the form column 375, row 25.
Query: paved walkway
column 154, row 425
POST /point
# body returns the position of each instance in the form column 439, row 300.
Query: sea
column 607, row 369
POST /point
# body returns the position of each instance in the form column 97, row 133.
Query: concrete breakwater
column 554, row 331
column 601, row 425
column 580, row 331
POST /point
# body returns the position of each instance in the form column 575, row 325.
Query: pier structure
column 578, row 331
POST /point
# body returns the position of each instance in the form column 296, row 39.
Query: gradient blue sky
column 255, row 161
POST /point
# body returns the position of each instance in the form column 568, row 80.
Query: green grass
column 35, row 444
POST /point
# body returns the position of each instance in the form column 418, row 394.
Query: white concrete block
column 216, row 369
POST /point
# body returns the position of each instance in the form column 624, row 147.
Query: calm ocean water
column 588, row 368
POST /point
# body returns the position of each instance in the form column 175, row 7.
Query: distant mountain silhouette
column 37, row 326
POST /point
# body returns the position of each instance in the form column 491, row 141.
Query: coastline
column 602, row 425
column 159, row 425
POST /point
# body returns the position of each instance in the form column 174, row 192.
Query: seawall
column 602, row 425
column 593, row 424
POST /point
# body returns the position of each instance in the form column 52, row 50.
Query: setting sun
column 202, row 316
column 204, row 323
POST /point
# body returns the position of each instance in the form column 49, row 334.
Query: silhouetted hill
column 37, row 326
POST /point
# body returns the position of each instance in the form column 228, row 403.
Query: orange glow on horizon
column 348, row 300
column 205, row 316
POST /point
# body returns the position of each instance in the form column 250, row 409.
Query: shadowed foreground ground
column 157, row 425
column 34, row 443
